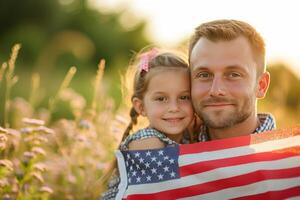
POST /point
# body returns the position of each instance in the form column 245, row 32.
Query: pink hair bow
column 145, row 59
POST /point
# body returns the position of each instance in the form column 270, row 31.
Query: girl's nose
column 173, row 106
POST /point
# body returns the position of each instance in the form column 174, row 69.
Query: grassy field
column 42, row 158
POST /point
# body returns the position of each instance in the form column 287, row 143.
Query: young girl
column 161, row 93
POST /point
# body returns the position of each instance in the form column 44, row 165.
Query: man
column 227, row 59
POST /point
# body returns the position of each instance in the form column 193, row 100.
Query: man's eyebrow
column 235, row 67
column 198, row 68
column 229, row 67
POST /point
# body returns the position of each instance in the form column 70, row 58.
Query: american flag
column 262, row 166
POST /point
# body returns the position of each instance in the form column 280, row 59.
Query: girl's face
column 167, row 103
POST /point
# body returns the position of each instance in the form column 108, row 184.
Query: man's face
column 224, row 85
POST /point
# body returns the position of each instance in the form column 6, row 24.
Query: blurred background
column 86, row 108
column 57, row 34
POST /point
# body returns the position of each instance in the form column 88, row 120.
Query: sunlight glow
column 171, row 21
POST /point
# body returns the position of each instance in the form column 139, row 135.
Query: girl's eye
column 161, row 99
column 203, row 75
column 185, row 97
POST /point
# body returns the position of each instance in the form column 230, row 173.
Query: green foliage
column 283, row 97
column 57, row 34
column 41, row 27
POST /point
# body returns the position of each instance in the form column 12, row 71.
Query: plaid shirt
column 267, row 123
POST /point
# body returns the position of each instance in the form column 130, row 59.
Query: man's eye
column 234, row 75
column 203, row 75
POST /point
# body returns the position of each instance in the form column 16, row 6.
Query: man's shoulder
column 267, row 122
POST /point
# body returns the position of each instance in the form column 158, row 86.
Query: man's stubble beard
column 219, row 120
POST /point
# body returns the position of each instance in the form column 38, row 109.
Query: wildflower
column 3, row 130
column 71, row 178
column 85, row 124
column 13, row 132
column 40, row 167
column 81, row 138
column 26, row 130
column 35, row 122
column 14, row 187
column 3, row 140
column 44, row 129
column 7, row 164
column 6, row 197
column 2, row 146
column 38, row 176
column 41, row 139
column 26, row 161
column 3, row 183
column 19, row 174
column 28, row 155
column 36, row 139
column 38, row 150
column 46, row 189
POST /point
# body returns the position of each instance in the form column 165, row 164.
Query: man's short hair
column 226, row 30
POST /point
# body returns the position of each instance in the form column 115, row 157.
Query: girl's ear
column 138, row 106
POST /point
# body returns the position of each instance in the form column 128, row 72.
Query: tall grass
column 63, row 159
column 11, row 79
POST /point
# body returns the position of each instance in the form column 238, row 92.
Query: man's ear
column 263, row 85
column 138, row 106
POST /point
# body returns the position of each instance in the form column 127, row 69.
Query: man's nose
column 217, row 87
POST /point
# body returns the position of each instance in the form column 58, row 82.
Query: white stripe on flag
column 239, row 151
column 293, row 198
column 122, row 171
column 251, row 189
column 213, row 175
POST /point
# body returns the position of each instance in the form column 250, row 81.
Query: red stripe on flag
column 217, row 185
column 214, row 145
column 274, row 195
column 239, row 141
column 255, row 157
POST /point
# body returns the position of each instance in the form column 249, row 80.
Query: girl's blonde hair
column 151, row 60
